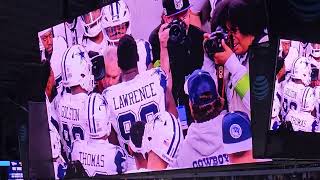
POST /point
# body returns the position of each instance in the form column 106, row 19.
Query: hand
column 222, row 57
column 163, row 35
column 206, row 36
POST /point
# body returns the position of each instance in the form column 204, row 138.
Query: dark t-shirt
column 184, row 59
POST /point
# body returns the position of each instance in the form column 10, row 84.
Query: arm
column 165, row 66
column 240, row 79
column 239, row 73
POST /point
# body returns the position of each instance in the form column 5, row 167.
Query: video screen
column 11, row 170
column 296, row 95
column 169, row 94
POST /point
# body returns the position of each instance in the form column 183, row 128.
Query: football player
column 139, row 96
column 73, row 114
column 162, row 141
column 315, row 80
column 203, row 145
column 94, row 38
column 59, row 164
column 288, row 53
column 317, row 102
column 315, row 64
column 304, row 120
column 293, row 90
column 135, row 146
column 97, row 155
column 116, row 23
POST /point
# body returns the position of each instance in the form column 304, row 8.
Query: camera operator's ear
column 166, row 19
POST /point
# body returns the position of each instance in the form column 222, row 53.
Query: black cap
column 173, row 7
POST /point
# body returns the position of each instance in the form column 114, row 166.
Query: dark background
column 23, row 77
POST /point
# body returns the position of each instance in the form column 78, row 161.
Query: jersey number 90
column 126, row 119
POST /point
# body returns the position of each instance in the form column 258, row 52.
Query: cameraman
column 245, row 22
column 184, row 49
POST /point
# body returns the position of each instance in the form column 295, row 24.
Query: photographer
column 184, row 46
column 244, row 22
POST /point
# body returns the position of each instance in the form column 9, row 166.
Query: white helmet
column 116, row 14
column 99, row 124
column 93, row 28
column 302, row 70
column 163, row 135
column 77, row 68
column 308, row 100
column 315, row 51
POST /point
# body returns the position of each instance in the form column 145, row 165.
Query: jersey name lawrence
column 140, row 94
column 135, row 100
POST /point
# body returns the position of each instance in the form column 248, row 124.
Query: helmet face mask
column 118, row 31
column 92, row 23
column 77, row 68
column 116, row 20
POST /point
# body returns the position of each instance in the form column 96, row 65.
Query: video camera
column 214, row 43
column 177, row 32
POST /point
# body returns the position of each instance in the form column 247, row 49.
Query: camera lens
column 174, row 33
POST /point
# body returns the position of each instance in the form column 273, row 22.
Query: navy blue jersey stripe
column 148, row 52
column 64, row 64
column 305, row 98
column 174, row 135
column 94, row 124
column 58, row 80
column 89, row 113
column 178, row 139
column 111, row 6
column 117, row 8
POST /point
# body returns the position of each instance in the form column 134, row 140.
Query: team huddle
column 127, row 120
column 296, row 98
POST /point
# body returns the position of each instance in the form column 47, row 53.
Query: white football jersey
column 135, row 100
column 145, row 54
column 317, row 103
column 301, row 121
column 99, row 157
column 292, row 96
column 73, row 116
column 93, row 46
